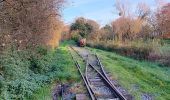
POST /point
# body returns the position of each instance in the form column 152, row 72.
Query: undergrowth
column 22, row 73
column 151, row 50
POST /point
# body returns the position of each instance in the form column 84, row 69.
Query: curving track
column 95, row 78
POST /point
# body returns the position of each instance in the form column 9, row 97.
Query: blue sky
column 102, row 11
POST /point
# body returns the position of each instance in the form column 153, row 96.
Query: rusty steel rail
column 78, row 53
column 91, row 94
column 88, row 80
column 103, row 75
column 105, row 78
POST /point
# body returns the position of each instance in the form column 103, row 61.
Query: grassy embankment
column 68, row 74
column 138, row 77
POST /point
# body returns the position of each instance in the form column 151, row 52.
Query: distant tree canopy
column 127, row 28
column 81, row 26
column 106, row 33
column 84, row 27
column 141, row 24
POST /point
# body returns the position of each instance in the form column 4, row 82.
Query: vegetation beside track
column 27, row 74
column 68, row 74
column 44, row 93
column 138, row 77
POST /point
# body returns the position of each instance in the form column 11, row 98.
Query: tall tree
column 106, row 33
column 29, row 22
column 143, row 11
column 85, row 27
column 163, row 18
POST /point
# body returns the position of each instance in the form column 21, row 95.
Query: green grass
column 64, row 59
column 80, row 61
column 165, row 49
column 166, row 41
column 148, row 77
column 68, row 73
column 44, row 93
column 145, row 76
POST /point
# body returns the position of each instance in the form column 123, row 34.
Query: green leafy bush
column 24, row 72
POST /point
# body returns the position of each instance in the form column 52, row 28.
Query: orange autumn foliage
column 30, row 23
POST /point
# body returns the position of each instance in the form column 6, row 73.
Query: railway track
column 95, row 78
column 82, row 75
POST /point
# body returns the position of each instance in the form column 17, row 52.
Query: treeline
column 135, row 33
column 29, row 30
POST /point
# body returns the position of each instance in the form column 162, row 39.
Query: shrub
column 76, row 37
column 141, row 50
column 24, row 72
column 20, row 77
column 1, row 84
column 42, row 50
column 140, row 53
